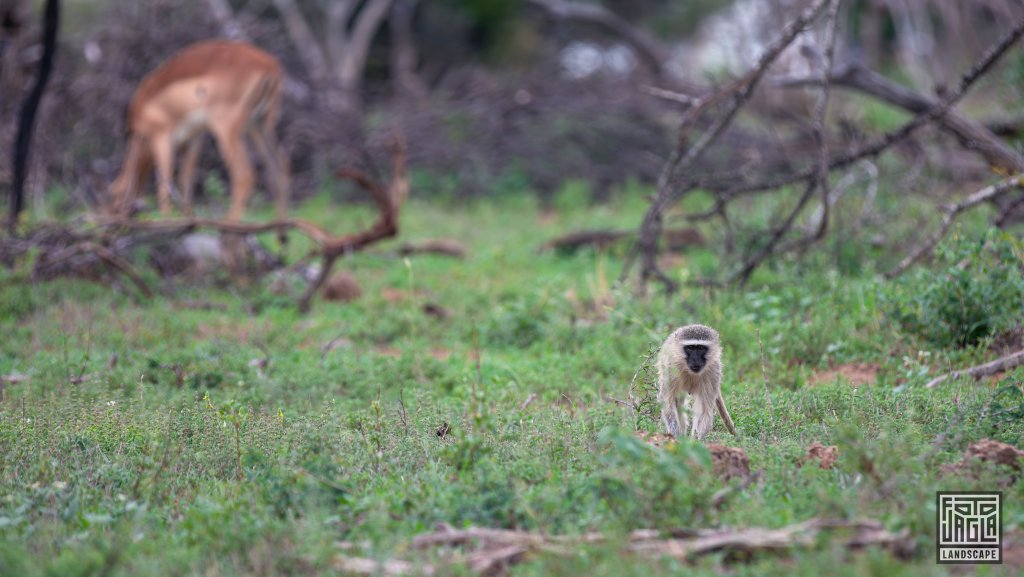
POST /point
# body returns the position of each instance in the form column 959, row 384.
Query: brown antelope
column 229, row 88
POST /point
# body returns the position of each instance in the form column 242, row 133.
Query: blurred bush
column 976, row 290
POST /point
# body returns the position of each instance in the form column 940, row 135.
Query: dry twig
column 988, row 369
column 683, row 156
column 496, row 549
column 951, row 212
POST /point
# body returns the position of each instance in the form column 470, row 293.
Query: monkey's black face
column 696, row 357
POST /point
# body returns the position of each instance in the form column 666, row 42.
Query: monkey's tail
column 720, row 402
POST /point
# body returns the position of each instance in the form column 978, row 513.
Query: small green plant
column 975, row 290
column 1005, row 413
column 654, row 486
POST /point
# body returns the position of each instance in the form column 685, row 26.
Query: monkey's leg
column 674, row 422
column 703, row 417
column 720, row 402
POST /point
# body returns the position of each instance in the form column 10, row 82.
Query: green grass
column 148, row 440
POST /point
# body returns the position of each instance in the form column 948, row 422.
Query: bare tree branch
column 404, row 57
column 29, row 108
column 349, row 69
column 820, row 180
column 111, row 238
column 951, row 212
column 883, row 142
column 973, row 135
column 338, row 15
column 304, row 40
column 494, row 549
column 683, row 157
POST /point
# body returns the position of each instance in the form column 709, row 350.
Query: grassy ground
column 161, row 437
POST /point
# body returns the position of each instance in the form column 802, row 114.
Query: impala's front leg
column 163, row 153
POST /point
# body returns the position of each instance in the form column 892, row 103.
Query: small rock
column 437, row 311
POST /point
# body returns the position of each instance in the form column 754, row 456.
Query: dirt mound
column 825, row 456
column 989, row 451
column 994, row 451
column 729, row 462
column 342, row 287
column 656, row 439
column 856, row 374
column 1008, row 342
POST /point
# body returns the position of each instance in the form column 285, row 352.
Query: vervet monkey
column 690, row 361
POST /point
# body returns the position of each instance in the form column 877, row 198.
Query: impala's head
column 699, row 346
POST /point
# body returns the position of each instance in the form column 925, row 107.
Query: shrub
column 975, row 291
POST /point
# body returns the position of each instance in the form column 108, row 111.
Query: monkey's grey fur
column 690, row 362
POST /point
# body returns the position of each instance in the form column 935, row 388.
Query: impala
column 231, row 89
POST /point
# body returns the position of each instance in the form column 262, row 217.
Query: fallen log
column 986, row 370
column 676, row 239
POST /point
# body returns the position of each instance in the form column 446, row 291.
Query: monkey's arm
column 674, row 422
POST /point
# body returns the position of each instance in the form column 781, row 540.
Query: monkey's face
column 696, row 357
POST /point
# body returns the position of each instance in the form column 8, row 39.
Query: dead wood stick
column 820, row 178
column 988, row 369
column 972, row 135
column 171, row 225
column 683, row 156
column 120, row 264
column 883, row 142
column 495, row 549
column 951, row 212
